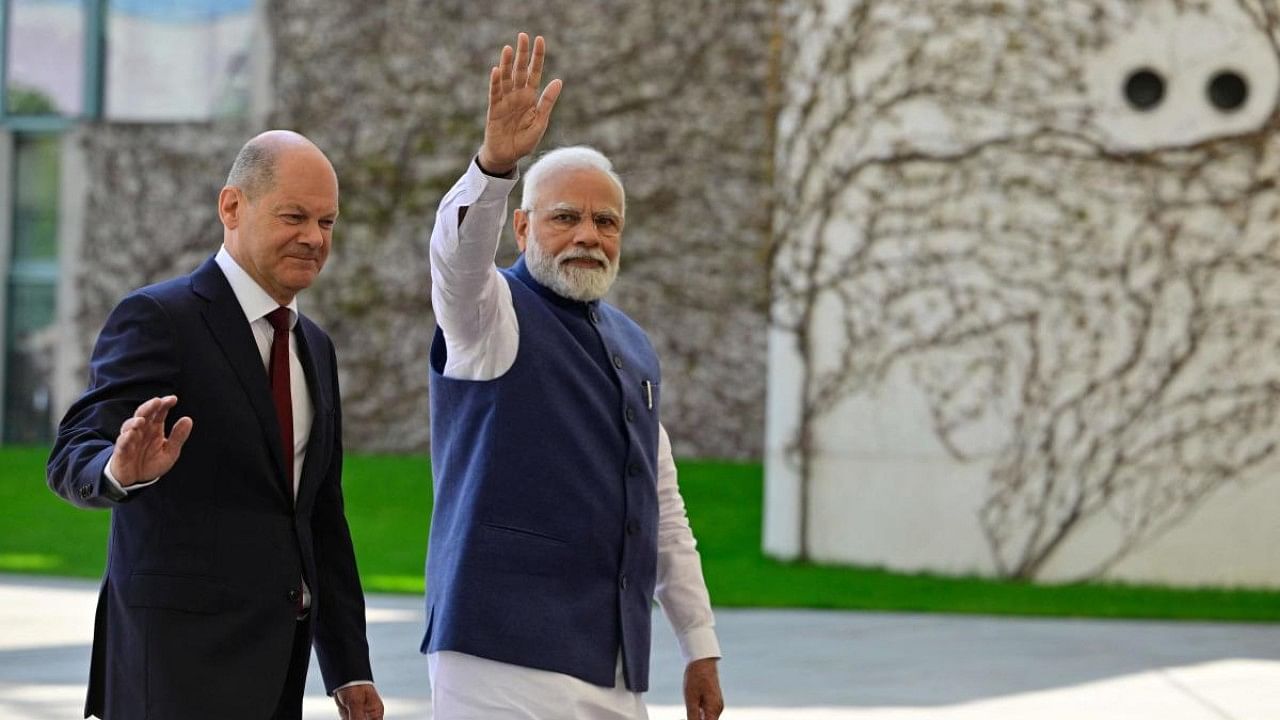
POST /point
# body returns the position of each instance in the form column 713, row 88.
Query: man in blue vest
column 557, row 516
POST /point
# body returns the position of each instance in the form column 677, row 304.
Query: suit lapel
column 320, row 403
column 226, row 322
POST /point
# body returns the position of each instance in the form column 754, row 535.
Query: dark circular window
column 1144, row 89
column 1228, row 91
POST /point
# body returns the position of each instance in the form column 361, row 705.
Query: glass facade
column 44, row 57
column 178, row 60
column 31, row 290
column 65, row 61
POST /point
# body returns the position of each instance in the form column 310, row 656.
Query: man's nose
column 312, row 235
column 586, row 233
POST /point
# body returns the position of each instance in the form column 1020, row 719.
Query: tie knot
column 279, row 319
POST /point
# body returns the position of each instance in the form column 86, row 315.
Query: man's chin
column 297, row 281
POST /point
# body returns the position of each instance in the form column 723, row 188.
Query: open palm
column 518, row 113
column 142, row 452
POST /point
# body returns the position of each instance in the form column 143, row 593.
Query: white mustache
column 583, row 254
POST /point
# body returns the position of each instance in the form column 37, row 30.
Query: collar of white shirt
column 254, row 301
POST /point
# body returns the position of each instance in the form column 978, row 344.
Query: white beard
column 576, row 283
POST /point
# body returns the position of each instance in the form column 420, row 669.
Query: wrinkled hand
column 142, row 452
column 358, row 702
column 518, row 115
column 702, row 698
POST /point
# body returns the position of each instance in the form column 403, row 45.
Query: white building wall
column 889, row 485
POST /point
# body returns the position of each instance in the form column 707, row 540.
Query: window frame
column 91, row 102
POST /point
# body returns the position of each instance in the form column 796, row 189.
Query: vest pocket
column 524, row 533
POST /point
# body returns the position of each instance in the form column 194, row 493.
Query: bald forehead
column 258, row 165
column 277, row 140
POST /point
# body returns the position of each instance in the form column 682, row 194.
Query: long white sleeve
column 681, row 589
column 471, row 301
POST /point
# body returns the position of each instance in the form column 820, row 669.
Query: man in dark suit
column 229, row 548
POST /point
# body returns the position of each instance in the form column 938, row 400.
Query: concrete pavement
column 780, row 665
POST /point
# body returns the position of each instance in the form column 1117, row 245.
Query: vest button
column 595, row 317
column 622, row 582
column 631, row 414
column 617, row 361
column 293, row 596
column 633, row 526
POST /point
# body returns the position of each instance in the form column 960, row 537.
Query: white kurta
column 472, row 304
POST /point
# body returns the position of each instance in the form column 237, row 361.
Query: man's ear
column 231, row 203
column 520, row 223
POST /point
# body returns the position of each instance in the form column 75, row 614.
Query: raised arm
column 112, row 440
column 472, row 303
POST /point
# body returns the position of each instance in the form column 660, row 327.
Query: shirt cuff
column 698, row 643
column 106, row 472
column 485, row 187
column 353, row 683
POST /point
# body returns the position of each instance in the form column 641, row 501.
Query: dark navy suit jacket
column 198, row 606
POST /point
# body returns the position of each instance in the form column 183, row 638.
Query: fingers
column 148, row 408
column 150, row 415
column 535, row 66
column 519, row 68
column 148, row 422
column 703, row 707
column 178, row 436
column 146, row 419
column 549, row 97
column 495, row 85
column 521, row 76
column 161, row 411
column 505, row 68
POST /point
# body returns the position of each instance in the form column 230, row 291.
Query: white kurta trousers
column 466, row 687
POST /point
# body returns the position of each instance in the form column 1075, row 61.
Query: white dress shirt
column 472, row 304
column 257, row 304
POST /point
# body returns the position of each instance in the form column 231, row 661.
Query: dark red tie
column 280, row 393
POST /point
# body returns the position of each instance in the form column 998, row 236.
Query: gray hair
column 254, row 170
column 576, row 157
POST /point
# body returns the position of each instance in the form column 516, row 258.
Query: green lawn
column 389, row 501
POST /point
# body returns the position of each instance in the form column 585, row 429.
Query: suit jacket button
column 622, row 582
column 633, row 526
column 293, row 595
column 85, row 492
column 631, row 414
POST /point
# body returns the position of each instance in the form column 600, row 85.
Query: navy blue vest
column 543, row 548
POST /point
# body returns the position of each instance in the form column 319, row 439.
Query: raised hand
column 518, row 114
column 142, row 452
